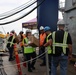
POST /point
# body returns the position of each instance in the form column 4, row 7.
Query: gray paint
column 70, row 19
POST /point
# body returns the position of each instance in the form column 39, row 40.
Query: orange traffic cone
column 17, row 60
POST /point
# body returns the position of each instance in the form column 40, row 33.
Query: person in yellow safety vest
column 62, row 49
column 29, row 51
column 41, row 48
column 10, row 45
column 47, row 44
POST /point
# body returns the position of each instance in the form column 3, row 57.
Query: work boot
column 29, row 70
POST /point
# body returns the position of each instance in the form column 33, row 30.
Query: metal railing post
column 47, row 63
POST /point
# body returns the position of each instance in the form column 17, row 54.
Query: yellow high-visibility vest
column 64, row 45
column 11, row 42
column 48, row 47
column 28, row 49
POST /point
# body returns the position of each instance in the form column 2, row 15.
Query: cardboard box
column 35, row 41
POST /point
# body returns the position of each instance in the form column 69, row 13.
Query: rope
column 24, row 62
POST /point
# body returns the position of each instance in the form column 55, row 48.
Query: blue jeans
column 62, row 61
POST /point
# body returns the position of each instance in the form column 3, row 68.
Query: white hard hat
column 61, row 22
column 28, row 31
column 41, row 28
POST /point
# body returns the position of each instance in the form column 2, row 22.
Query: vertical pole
column 47, row 63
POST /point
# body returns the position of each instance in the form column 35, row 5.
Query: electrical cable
column 15, row 11
column 17, row 8
column 23, row 15
column 13, row 20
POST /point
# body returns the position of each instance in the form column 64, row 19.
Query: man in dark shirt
column 47, row 45
column 59, row 35
column 61, row 49
column 10, row 45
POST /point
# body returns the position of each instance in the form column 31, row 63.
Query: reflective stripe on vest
column 63, row 45
column 28, row 49
column 11, row 43
column 48, row 47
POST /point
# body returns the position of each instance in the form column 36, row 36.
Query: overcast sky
column 6, row 5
